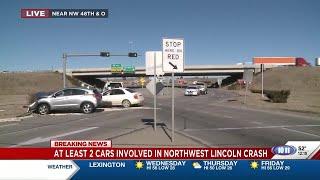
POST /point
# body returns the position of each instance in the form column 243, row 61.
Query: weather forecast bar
column 64, row 13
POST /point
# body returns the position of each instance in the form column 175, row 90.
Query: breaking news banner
column 97, row 159
column 64, row 13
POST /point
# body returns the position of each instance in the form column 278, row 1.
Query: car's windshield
column 191, row 88
column 115, row 85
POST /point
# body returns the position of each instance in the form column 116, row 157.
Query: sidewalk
column 147, row 137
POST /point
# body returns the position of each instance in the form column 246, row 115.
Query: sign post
column 173, row 61
column 262, row 69
column 142, row 81
column 155, row 90
column 154, row 67
column 219, row 80
column 172, row 111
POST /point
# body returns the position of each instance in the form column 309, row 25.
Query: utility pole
column 262, row 83
column 64, row 65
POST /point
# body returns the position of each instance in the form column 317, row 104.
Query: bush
column 277, row 96
column 236, row 86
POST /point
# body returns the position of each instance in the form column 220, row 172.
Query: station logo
column 284, row 150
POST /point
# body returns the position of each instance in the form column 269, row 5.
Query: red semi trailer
column 281, row 61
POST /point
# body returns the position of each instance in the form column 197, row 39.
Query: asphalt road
column 201, row 118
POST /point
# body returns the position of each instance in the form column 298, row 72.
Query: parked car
column 202, row 87
column 68, row 99
column 122, row 96
column 192, row 91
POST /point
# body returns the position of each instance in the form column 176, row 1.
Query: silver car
column 68, row 99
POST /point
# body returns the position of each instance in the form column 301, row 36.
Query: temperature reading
column 301, row 148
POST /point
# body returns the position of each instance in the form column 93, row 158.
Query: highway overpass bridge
column 193, row 70
column 92, row 75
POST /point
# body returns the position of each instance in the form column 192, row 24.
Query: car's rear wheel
column 43, row 109
column 126, row 103
column 87, row 108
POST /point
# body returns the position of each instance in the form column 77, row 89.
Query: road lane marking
column 63, row 114
column 54, row 125
column 226, row 116
column 256, row 122
column 1, row 110
column 301, row 132
column 104, row 109
column 125, row 109
column 267, row 111
column 220, row 115
column 254, row 127
column 8, row 125
column 41, row 139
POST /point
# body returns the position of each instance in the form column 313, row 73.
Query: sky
column 215, row 31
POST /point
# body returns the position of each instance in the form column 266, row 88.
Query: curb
column 15, row 119
column 198, row 140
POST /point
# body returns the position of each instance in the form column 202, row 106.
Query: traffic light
column 104, row 54
column 133, row 54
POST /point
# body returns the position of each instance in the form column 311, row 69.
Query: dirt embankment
column 303, row 83
column 15, row 88
column 297, row 79
column 26, row 83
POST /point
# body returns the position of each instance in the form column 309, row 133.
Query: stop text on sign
column 173, row 55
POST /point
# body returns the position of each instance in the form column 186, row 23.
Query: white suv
column 68, row 99
column 192, row 91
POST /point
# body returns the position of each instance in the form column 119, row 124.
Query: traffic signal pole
column 101, row 54
column 65, row 60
